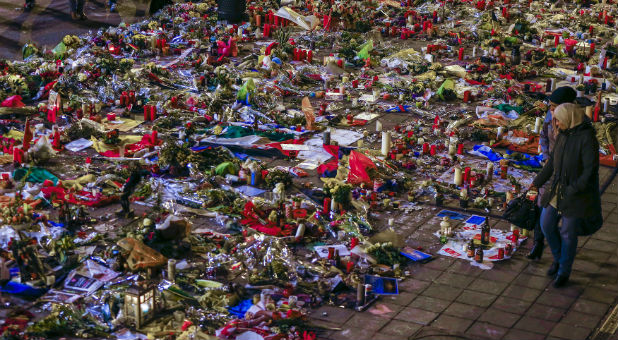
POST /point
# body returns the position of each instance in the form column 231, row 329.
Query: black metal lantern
column 140, row 304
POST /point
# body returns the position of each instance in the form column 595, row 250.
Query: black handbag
column 521, row 212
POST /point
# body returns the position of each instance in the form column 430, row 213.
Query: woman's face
column 559, row 124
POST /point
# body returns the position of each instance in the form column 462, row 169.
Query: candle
column 146, row 112
column 474, row 52
column 537, row 125
column 378, row 126
column 499, row 133
column 466, row 97
column 425, row 148
column 461, row 53
column 466, row 175
column 591, row 53
column 490, row 171
column 333, row 205
column 605, row 104
column 326, row 207
column 386, row 143
column 300, row 232
column 326, row 137
column 452, row 148
column 460, row 147
column 557, row 41
column 433, row 150
column 458, row 179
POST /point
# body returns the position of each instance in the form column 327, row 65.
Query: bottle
column 478, row 256
column 515, row 56
column 471, row 248
column 485, row 231
column 337, row 258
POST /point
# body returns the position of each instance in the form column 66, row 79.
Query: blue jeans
column 562, row 240
column 77, row 6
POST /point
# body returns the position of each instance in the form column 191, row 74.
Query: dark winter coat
column 572, row 172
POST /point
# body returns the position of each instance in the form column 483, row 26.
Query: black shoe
column 536, row 251
column 560, row 281
column 553, row 269
column 28, row 6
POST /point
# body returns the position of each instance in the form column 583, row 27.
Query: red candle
column 276, row 20
column 353, row 242
column 460, row 149
column 349, row 266
column 154, row 136
column 595, row 118
column 466, row 176
column 433, row 151
column 309, row 56
column 425, row 148
column 18, row 155
column 326, row 208
column 340, row 63
column 153, row 112
column 592, row 48
column 461, row 53
column 146, row 112
column 557, row 41
column 295, row 52
column 466, row 98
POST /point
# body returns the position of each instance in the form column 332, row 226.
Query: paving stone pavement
column 449, row 298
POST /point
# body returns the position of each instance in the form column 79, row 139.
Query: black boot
column 536, row 252
column 553, row 269
column 560, row 281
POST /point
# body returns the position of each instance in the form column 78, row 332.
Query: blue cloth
column 484, row 150
column 529, row 160
column 544, row 138
column 563, row 240
column 240, row 309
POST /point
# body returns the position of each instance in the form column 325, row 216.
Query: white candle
column 452, row 148
column 333, row 205
column 341, row 88
column 420, row 141
column 500, row 130
column 553, row 84
column 386, row 143
column 378, row 126
column 537, row 125
column 474, row 52
column 300, row 231
column 490, row 171
column 458, row 180
column 391, row 222
column 609, row 64
column 605, row 104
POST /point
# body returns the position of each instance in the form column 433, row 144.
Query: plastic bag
column 359, row 164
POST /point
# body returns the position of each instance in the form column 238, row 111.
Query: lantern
column 139, row 304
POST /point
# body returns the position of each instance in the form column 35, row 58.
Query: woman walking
column 573, row 192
